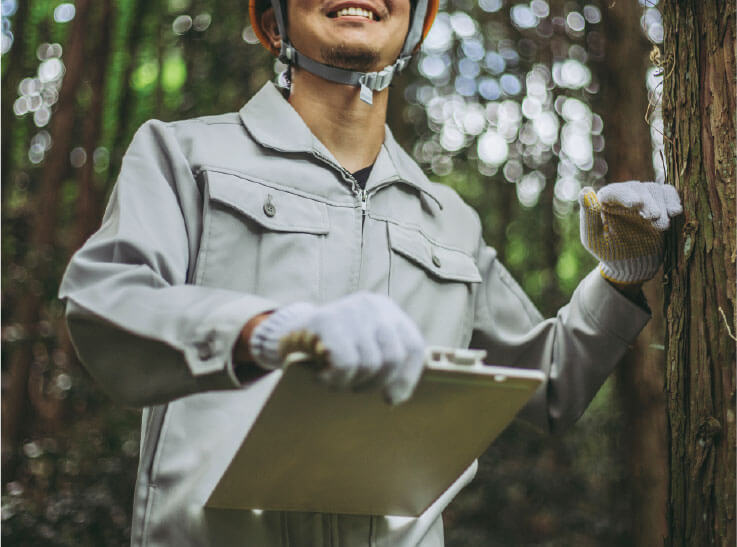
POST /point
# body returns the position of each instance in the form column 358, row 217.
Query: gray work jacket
column 217, row 219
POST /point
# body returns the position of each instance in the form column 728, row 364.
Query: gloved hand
column 622, row 225
column 361, row 338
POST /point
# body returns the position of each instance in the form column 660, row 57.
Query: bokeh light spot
column 434, row 66
column 201, row 22
column 50, row 70
column 529, row 188
column 492, row 148
column 249, row 36
column 510, row 84
column 575, row 21
column 181, row 24
column 145, row 75
column 451, row 138
column 489, row 89
column 8, row 8
column 523, row 17
column 512, row 170
column 78, row 157
column 463, row 25
column 491, row 6
column 468, row 68
column 465, row 86
column 173, row 73
column 440, row 36
column 571, row 74
column 494, row 62
column 592, row 14
column 540, row 8
column 63, row 13
column 42, row 116
column 566, row 189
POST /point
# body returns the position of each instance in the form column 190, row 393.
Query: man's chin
column 351, row 58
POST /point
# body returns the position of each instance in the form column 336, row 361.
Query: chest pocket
column 434, row 284
column 261, row 240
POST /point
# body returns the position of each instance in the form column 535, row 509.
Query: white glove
column 622, row 225
column 361, row 338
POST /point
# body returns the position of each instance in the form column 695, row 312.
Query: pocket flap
column 271, row 208
column 441, row 262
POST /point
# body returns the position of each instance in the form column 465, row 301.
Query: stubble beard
column 351, row 58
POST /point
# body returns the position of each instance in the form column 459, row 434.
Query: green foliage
column 173, row 73
column 145, row 76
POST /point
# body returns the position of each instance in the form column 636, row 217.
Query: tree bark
column 699, row 118
column 88, row 201
column 15, row 395
column 639, row 376
column 11, row 79
column 141, row 10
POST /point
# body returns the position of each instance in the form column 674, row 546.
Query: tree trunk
column 639, row 377
column 699, row 116
column 13, row 60
column 15, row 395
column 88, row 201
column 125, row 107
column 550, row 248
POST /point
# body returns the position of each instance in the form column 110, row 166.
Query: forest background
column 517, row 105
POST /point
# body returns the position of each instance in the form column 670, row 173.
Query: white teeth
column 360, row 12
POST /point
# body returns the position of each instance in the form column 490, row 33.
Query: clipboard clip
column 439, row 355
column 306, row 348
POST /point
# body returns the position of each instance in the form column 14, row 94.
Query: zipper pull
column 364, row 198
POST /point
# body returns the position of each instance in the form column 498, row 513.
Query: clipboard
column 315, row 449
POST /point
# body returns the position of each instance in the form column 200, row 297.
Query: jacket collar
column 403, row 168
column 273, row 123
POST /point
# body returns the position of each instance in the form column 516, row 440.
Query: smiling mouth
column 354, row 12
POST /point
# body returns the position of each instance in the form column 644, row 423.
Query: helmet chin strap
column 368, row 81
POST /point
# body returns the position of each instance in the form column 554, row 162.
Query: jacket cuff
column 267, row 334
column 209, row 350
column 610, row 310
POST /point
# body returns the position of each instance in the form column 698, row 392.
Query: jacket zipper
column 362, row 196
column 348, row 177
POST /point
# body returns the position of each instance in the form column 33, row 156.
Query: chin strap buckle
column 367, row 95
column 375, row 81
column 378, row 81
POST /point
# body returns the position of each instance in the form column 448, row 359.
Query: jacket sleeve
column 576, row 350
column 143, row 333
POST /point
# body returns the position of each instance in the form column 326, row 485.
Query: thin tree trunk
column 11, row 79
column 161, row 29
column 699, row 116
column 550, row 239
column 125, row 106
column 88, row 202
column 639, row 376
column 15, row 396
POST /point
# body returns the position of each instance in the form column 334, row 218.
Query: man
column 300, row 217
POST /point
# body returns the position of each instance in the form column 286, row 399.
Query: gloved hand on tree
column 622, row 225
column 361, row 339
